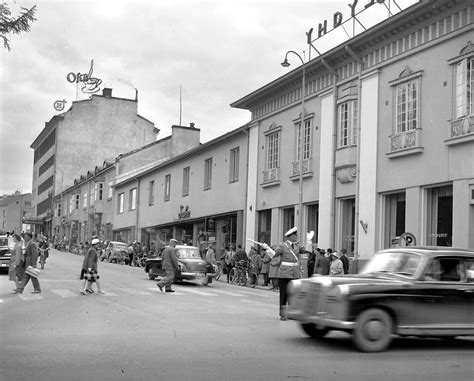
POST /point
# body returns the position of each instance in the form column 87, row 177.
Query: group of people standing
column 25, row 253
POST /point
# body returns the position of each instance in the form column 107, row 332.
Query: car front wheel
column 312, row 330
column 151, row 276
column 373, row 330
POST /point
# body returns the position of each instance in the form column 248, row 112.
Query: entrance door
column 440, row 216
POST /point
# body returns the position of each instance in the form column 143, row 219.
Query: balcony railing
column 271, row 176
column 307, row 168
column 405, row 143
column 461, row 130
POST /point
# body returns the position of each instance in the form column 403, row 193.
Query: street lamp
column 285, row 63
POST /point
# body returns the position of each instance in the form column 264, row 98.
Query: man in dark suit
column 170, row 265
column 321, row 264
column 31, row 258
column 345, row 261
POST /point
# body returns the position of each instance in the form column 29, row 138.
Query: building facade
column 197, row 197
column 386, row 137
column 15, row 210
column 91, row 131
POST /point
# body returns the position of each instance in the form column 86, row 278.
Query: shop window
column 348, row 224
column 394, row 218
column 265, row 226
column 440, row 216
column 312, row 220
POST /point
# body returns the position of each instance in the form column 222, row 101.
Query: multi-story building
column 197, row 197
column 15, row 210
column 91, row 131
column 88, row 207
column 388, row 137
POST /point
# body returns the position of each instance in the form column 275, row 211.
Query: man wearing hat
column 169, row 265
column 289, row 253
column 31, row 257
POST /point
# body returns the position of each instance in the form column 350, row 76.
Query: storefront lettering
column 91, row 84
column 338, row 17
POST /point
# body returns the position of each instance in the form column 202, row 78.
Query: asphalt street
column 219, row 332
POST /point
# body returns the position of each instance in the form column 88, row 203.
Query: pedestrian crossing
column 208, row 292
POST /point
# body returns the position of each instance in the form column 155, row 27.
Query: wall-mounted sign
column 184, row 212
column 91, row 84
column 59, row 105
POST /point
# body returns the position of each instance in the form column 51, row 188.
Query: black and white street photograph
column 237, row 190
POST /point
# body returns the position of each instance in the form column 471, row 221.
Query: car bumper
column 5, row 262
column 321, row 320
column 193, row 275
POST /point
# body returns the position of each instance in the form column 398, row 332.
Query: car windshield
column 394, row 263
column 188, row 253
column 119, row 246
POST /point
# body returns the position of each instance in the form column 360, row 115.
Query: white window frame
column 407, row 106
column 167, row 187
column 464, row 88
column 84, row 200
column 347, row 123
column 186, row 177
column 307, row 140
column 151, row 193
column 272, row 157
column 208, row 173
column 111, row 189
column 133, row 199
column 234, row 163
column 120, row 203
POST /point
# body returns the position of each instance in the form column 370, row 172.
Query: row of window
column 407, row 116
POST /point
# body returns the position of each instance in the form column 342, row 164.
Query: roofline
column 316, row 62
column 186, row 154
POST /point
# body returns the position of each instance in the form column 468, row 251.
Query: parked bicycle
column 239, row 273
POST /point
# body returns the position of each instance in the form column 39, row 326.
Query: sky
column 206, row 53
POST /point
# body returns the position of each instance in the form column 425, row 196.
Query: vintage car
column 191, row 266
column 6, row 245
column 116, row 252
column 410, row 291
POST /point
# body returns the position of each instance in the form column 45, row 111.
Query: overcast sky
column 217, row 51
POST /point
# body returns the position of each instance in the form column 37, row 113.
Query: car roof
column 431, row 251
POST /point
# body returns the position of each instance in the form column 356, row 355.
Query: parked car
column 412, row 291
column 116, row 252
column 6, row 246
column 191, row 266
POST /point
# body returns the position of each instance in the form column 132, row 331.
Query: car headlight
column 182, row 267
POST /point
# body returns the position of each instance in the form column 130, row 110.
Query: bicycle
column 239, row 273
column 218, row 269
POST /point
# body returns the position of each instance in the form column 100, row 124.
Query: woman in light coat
column 15, row 272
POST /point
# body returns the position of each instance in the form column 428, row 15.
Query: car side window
column 470, row 270
column 444, row 270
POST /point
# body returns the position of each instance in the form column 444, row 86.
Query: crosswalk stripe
column 157, row 290
column 196, row 292
column 30, row 297
column 134, row 292
column 227, row 293
column 65, row 293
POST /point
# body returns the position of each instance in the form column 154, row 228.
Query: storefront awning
column 33, row 220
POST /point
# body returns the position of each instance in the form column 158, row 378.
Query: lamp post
column 285, row 63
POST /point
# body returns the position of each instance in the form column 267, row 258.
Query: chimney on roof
column 191, row 125
column 136, row 95
column 107, row 92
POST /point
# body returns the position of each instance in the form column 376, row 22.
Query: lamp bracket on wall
column 364, row 225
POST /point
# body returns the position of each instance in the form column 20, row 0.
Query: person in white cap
column 289, row 253
column 89, row 269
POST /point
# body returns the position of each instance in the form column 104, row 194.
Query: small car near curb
column 410, row 291
column 191, row 266
column 116, row 252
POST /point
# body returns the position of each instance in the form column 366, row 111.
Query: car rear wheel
column 312, row 330
column 373, row 330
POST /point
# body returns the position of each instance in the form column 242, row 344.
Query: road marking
column 65, row 293
column 227, row 293
column 30, row 297
column 197, row 292
column 134, row 292
column 157, row 290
